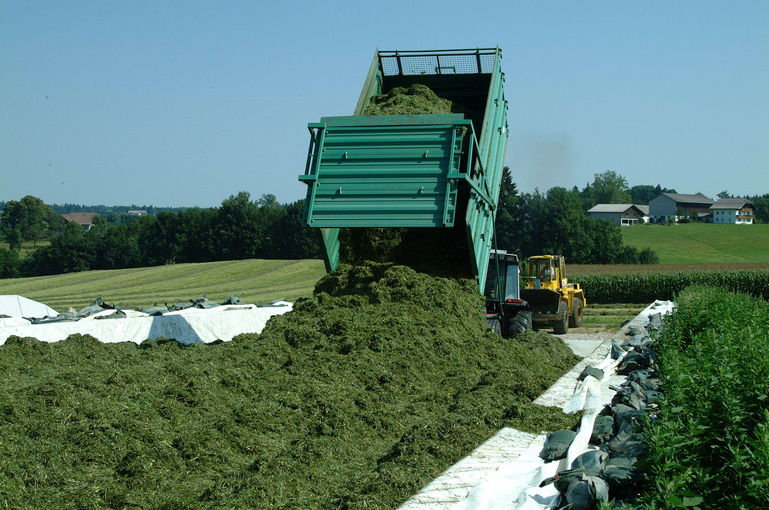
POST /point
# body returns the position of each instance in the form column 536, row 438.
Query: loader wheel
column 561, row 326
column 519, row 324
column 575, row 319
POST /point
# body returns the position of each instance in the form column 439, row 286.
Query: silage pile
column 357, row 398
column 413, row 100
column 439, row 251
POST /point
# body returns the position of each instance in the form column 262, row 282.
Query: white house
column 619, row 214
column 737, row 211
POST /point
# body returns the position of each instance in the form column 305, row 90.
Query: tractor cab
column 506, row 312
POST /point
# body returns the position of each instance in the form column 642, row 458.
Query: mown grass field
column 254, row 280
column 608, row 317
column 701, row 243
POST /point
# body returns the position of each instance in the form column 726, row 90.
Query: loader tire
column 575, row 319
column 561, row 326
column 519, row 324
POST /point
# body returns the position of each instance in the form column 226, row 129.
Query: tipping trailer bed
column 432, row 171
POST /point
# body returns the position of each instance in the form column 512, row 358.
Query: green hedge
column 641, row 288
column 710, row 440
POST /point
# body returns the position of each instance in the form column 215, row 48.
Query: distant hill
column 698, row 243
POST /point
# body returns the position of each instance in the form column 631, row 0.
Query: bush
column 710, row 439
column 9, row 263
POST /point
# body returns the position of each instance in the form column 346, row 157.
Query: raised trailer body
column 439, row 173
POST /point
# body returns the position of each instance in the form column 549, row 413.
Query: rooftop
column 688, row 199
column 732, row 203
column 613, row 208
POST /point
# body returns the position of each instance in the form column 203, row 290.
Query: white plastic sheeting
column 19, row 306
column 512, row 482
column 193, row 325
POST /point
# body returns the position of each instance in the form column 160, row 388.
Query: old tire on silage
column 561, row 325
column 575, row 319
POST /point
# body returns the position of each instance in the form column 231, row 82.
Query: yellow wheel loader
column 553, row 300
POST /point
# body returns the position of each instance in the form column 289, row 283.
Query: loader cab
column 544, row 272
column 506, row 312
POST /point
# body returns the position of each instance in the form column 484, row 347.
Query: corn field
column 646, row 287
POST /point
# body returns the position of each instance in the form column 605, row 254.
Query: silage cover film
column 356, row 399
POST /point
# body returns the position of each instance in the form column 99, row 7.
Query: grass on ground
column 599, row 317
column 252, row 280
column 701, row 243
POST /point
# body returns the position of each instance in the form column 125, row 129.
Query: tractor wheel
column 575, row 319
column 561, row 326
column 496, row 326
column 519, row 324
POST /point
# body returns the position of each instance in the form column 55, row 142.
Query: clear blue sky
column 183, row 103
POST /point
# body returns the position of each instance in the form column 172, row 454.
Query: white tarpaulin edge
column 193, row 325
column 19, row 306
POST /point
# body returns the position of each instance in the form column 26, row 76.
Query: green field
column 701, row 243
column 254, row 281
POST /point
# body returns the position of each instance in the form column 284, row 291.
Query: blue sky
column 183, row 103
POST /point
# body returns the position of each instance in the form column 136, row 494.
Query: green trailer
column 436, row 175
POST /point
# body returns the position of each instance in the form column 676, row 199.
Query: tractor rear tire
column 561, row 325
column 519, row 324
column 496, row 326
column 575, row 319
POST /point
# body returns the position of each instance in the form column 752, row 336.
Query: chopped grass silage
column 439, row 251
column 356, row 399
column 416, row 99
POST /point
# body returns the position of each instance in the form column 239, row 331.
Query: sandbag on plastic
column 620, row 474
column 591, row 462
column 586, row 492
column 557, row 444
column 637, row 359
column 631, row 394
column 204, row 303
column 97, row 306
column 118, row 314
column 591, row 371
column 644, row 377
column 603, row 429
column 616, row 351
column 154, row 310
column 639, row 341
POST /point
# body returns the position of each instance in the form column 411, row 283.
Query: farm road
column 585, row 343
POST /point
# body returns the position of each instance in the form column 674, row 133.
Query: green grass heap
column 356, row 399
column 413, row 100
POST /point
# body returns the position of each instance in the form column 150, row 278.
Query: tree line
column 556, row 222
column 240, row 228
